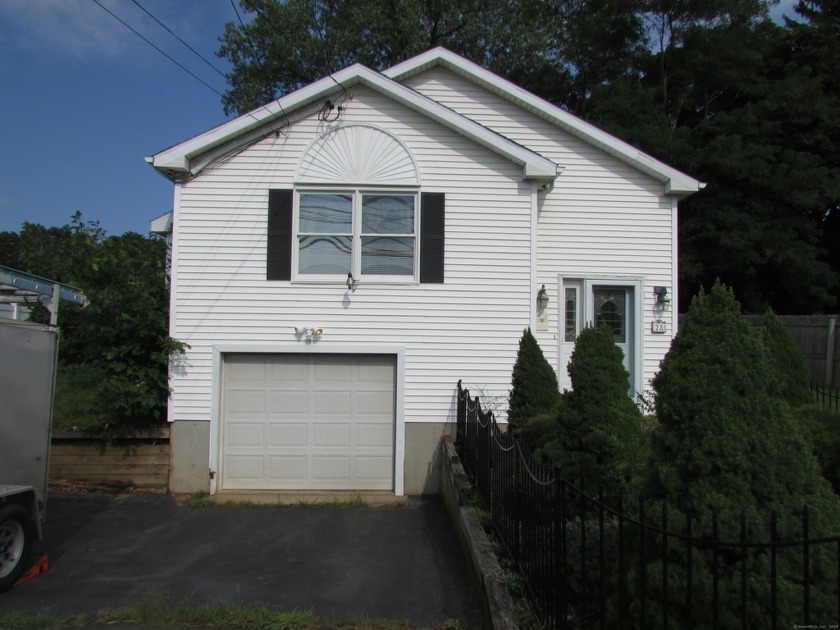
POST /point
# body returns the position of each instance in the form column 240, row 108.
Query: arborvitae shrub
column 534, row 389
column 599, row 426
column 821, row 426
column 791, row 377
column 726, row 443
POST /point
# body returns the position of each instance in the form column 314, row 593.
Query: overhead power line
column 171, row 32
column 189, row 72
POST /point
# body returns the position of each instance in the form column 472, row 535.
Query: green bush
column 78, row 401
column 791, row 377
column 599, row 434
column 823, row 429
column 727, row 442
column 534, row 389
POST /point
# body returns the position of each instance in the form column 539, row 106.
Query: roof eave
column 184, row 159
column 676, row 182
column 178, row 159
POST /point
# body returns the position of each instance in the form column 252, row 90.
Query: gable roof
column 192, row 156
column 676, row 182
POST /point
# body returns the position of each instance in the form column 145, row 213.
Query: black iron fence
column 826, row 397
column 589, row 561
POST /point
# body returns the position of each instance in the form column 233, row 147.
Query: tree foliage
column 599, row 428
column 714, row 88
column 289, row 44
column 119, row 344
column 727, row 443
column 534, row 389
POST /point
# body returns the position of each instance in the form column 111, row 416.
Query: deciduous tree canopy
column 119, row 345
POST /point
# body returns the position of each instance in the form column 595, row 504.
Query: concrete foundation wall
column 189, row 448
column 422, row 456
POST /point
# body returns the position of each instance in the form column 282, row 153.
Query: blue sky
column 84, row 100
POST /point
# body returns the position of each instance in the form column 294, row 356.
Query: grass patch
column 21, row 621
column 189, row 612
column 198, row 500
column 202, row 500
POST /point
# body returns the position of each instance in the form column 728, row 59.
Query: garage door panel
column 288, row 435
column 331, row 467
column 246, row 401
column 289, row 402
column 331, row 434
column 330, row 402
column 381, row 402
column 373, row 468
column 242, row 368
column 290, row 370
column 333, row 370
column 308, row 422
column 244, row 467
column 288, row 468
column 246, row 434
column 374, row 372
column 374, row 436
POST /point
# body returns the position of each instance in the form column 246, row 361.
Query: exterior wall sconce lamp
column 661, row 296
column 352, row 283
column 542, row 299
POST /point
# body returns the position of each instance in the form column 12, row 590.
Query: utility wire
column 197, row 78
column 239, row 17
column 194, row 76
column 169, row 30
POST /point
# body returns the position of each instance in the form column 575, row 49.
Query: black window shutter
column 279, row 254
column 432, row 231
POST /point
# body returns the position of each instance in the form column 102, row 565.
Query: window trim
column 357, row 192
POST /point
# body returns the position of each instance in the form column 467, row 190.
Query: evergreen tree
column 789, row 368
column 534, row 389
column 599, row 433
column 727, row 443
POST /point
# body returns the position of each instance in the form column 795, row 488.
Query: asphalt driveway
column 109, row 551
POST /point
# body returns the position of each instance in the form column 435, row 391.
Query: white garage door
column 308, row 422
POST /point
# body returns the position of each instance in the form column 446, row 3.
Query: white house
column 344, row 255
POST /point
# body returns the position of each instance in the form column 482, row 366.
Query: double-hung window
column 371, row 234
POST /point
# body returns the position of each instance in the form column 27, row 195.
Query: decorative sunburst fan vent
column 357, row 154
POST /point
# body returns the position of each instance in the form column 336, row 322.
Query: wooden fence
column 817, row 336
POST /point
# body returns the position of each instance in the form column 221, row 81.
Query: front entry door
column 610, row 308
column 603, row 303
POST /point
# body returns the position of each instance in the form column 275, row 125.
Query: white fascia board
column 186, row 158
column 676, row 182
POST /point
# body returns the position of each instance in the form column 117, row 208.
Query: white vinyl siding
column 468, row 327
column 602, row 219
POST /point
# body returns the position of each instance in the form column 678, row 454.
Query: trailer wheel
column 17, row 532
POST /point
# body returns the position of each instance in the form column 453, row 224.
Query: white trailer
column 28, row 359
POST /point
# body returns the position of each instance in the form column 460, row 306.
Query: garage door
column 308, row 422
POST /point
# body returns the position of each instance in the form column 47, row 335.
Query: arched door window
column 611, row 309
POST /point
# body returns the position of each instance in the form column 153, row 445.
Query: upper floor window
column 369, row 234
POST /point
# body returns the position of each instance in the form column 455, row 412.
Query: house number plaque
column 657, row 327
